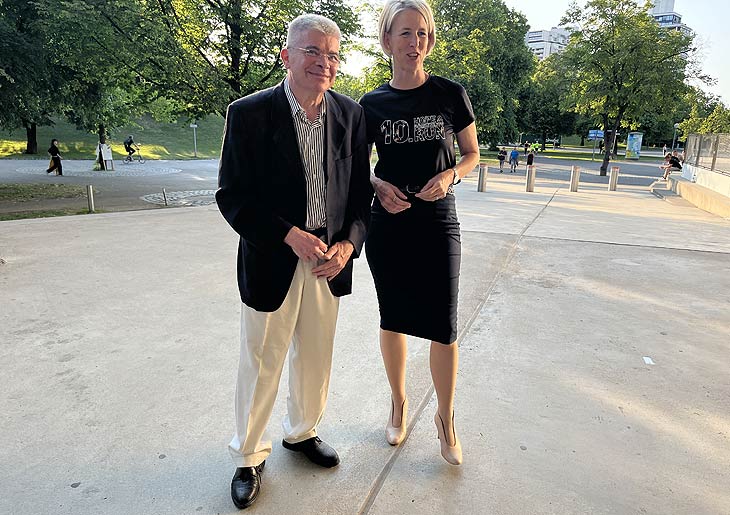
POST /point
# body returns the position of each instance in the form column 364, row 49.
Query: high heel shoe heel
column 396, row 434
column 451, row 453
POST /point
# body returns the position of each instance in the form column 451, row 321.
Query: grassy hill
column 157, row 140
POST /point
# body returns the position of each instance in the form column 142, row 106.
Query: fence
column 709, row 151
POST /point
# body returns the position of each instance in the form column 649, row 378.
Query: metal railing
column 710, row 151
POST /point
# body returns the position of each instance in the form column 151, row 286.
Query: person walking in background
column 501, row 156
column 55, row 163
column 664, row 150
column 294, row 183
column 527, row 146
column 514, row 158
column 414, row 245
column 530, row 157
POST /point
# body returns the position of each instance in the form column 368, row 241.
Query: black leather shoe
column 316, row 450
column 245, row 485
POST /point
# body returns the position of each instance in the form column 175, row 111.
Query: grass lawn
column 157, row 140
column 26, row 192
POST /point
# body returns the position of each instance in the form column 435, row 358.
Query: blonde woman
column 414, row 244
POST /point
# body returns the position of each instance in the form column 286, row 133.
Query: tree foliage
column 622, row 63
column 29, row 86
column 707, row 114
column 542, row 107
column 480, row 44
column 201, row 55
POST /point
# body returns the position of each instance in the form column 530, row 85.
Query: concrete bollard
column 90, row 197
column 482, row 184
column 613, row 178
column 530, row 178
column 574, row 178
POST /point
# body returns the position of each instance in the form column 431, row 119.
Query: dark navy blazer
column 262, row 191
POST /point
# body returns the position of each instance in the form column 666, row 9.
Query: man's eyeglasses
column 316, row 53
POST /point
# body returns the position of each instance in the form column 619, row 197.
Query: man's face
column 309, row 74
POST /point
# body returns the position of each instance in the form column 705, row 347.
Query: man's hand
column 337, row 257
column 391, row 198
column 306, row 246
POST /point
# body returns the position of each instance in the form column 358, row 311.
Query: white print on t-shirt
column 425, row 128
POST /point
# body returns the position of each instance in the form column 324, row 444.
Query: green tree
column 28, row 83
column 707, row 115
column 480, row 44
column 201, row 55
column 542, row 108
column 622, row 63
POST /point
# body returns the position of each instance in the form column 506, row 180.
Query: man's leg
column 310, row 359
column 265, row 339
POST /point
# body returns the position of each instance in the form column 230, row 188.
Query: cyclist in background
column 128, row 145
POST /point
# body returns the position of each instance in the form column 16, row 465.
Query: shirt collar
column 297, row 109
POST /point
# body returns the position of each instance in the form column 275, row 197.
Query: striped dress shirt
column 310, row 136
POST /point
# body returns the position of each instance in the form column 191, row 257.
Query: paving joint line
column 656, row 247
column 385, row 471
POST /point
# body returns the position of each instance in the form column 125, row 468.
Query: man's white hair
column 305, row 22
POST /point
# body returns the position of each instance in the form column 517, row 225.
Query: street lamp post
column 674, row 139
column 194, row 126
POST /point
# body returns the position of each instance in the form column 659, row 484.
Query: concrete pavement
column 119, row 345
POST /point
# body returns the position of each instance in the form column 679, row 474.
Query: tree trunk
column 102, row 139
column 31, row 146
column 582, row 140
column 236, row 52
column 544, row 137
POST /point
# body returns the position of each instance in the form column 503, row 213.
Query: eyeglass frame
column 332, row 58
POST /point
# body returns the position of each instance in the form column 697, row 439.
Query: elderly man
column 294, row 183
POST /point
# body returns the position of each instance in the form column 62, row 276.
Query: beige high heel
column 451, row 453
column 396, row 434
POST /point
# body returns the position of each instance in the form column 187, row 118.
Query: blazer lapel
column 286, row 147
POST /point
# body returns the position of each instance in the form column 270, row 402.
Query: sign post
column 106, row 155
column 194, row 126
column 594, row 134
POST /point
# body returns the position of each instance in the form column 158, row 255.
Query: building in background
column 546, row 42
column 542, row 43
column 663, row 13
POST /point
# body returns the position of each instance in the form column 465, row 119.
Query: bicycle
column 130, row 157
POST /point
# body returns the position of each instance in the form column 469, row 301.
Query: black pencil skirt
column 415, row 257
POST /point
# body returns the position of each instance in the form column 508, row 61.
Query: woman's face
column 408, row 40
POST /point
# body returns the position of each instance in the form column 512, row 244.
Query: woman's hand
column 437, row 187
column 392, row 199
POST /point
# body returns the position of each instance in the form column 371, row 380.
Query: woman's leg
column 394, row 347
column 444, row 360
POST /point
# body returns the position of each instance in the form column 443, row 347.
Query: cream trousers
column 304, row 326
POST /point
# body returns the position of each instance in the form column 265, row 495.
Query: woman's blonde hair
column 394, row 7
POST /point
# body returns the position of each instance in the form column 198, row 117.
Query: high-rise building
column 664, row 14
column 546, row 42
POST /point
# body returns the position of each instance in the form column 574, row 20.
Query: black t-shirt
column 414, row 129
column 674, row 162
column 54, row 151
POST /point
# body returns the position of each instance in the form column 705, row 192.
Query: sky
column 708, row 18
